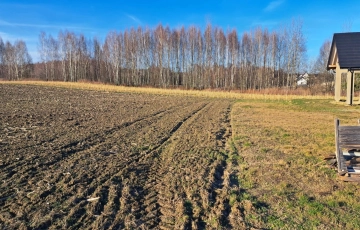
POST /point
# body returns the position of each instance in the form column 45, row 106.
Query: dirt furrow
column 171, row 200
column 77, row 146
column 140, row 205
column 116, row 161
column 134, row 171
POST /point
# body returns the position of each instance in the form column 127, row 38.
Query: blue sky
column 26, row 19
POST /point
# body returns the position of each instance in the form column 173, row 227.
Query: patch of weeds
column 247, row 144
column 56, row 205
column 212, row 155
column 245, row 196
column 213, row 222
column 312, row 206
column 333, row 203
column 275, row 222
column 245, row 182
column 232, row 147
column 220, row 157
column 328, row 172
column 233, row 158
column 264, row 150
column 233, row 198
column 241, row 139
column 303, row 200
column 285, row 190
column 313, row 105
column 144, row 148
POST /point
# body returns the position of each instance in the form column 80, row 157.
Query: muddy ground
column 149, row 161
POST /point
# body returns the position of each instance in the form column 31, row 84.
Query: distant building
column 302, row 80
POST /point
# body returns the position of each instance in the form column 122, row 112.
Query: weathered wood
column 349, row 128
column 347, row 141
column 349, row 136
column 342, row 168
column 349, row 145
column 329, row 157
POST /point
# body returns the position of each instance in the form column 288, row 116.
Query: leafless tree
column 319, row 68
column 184, row 57
column 2, row 54
column 16, row 60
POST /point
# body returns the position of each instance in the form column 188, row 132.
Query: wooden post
column 338, row 82
column 350, row 87
column 337, row 146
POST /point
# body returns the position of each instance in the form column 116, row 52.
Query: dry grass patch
column 282, row 172
column 198, row 93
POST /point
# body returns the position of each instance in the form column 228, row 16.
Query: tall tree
column 320, row 66
column 2, row 54
column 23, row 61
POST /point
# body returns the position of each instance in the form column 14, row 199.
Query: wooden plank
column 329, row 157
column 349, row 128
column 351, row 135
column 350, row 145
column 349, row 142
column 342, row 163
column 349, row 138
column 345, row 136
column 337, row 144
column 342, row 169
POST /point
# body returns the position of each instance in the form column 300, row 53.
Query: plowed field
column 76, row 159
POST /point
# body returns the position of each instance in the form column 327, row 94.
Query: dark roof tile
column 348, row 49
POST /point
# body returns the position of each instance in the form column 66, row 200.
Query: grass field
column 169, row 159
column 281, row 145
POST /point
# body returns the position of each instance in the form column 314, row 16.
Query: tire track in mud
column 165, row 203
column 78, row 146
column 87, row 143
column 169, row 170
column 153, row 173
column 45, row 188
column 128, row 194
column 219, row 190
column 137, row 192
column 210, row 207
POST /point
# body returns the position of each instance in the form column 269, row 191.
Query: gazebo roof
column 345, row 49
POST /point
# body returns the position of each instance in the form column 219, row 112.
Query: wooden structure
column 344, row 58
column 347, row 141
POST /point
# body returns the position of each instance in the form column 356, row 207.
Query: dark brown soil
column 151, row 161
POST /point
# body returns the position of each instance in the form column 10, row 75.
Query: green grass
column 281, row 144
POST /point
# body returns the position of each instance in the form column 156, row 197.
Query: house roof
column 345, row 49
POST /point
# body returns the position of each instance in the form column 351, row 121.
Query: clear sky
column 25, row 19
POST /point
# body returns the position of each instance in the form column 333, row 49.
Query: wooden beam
column 334, row 56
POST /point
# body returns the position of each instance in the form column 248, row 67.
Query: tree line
column 15, row 61
column 181, row 57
